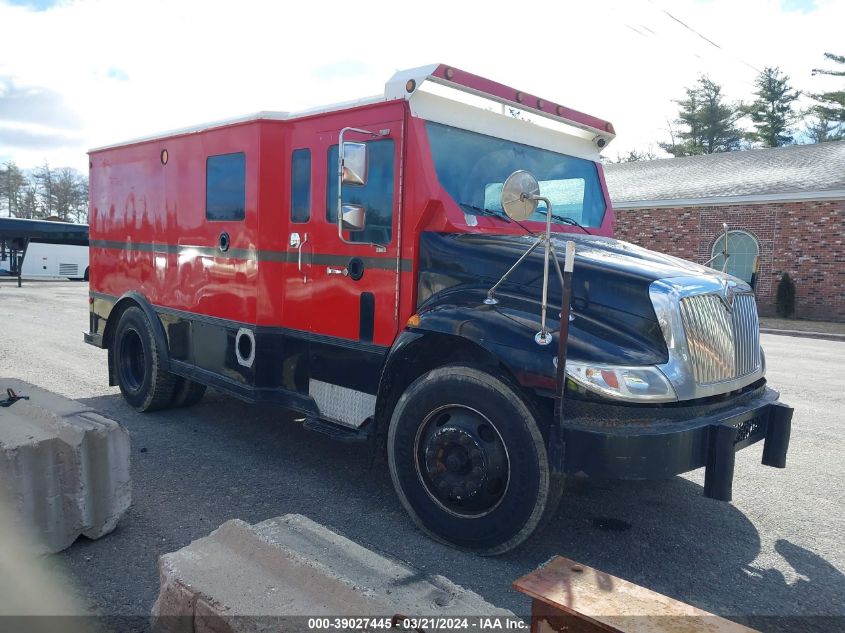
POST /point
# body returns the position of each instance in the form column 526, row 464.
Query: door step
column 339, row 432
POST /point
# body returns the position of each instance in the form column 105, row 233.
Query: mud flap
column 556, row 449
column 721, row 455
column 721, row 450
column 777, row 435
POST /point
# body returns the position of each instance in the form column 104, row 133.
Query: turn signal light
column 414, row 321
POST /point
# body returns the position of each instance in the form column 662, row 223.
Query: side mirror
column 520, row 194
column 354, row 161
column 353, row 217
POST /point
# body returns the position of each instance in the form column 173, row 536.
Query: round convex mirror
column 519, row 195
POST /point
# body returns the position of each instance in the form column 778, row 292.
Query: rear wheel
column 468, row 460
column 143, row 381
column 187, row 392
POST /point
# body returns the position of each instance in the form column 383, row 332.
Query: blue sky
column 76, row 74
column 804, row 6
column 37, row 5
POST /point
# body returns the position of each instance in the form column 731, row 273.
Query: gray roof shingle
column 800, row 169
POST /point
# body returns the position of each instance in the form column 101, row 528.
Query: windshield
column 472, row 167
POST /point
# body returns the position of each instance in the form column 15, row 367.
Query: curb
column 800, row 333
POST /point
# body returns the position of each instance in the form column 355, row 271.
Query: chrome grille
column 724, row 343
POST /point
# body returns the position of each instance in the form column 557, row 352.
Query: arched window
column 743, row 249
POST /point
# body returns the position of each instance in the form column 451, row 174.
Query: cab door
column 354, row 284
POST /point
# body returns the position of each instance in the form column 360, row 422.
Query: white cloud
column 134, row 67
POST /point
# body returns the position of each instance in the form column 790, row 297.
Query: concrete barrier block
column 252, row 577
column 64, row 469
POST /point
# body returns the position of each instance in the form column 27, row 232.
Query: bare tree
column 28, row 201
column 12, row 183
column 68, row 192
column 81, row 208
column 44, row 179
column 819, row 129
column 635, row 155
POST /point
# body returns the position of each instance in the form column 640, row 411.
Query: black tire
column 187, row 392
column 85, row 277
column 144, row 383
column 445, row 444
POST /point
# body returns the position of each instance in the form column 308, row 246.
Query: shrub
column 785, row 299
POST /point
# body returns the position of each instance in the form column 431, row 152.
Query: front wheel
column 468, row 460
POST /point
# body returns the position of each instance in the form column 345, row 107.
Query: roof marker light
column 560, row 110
column 519, row 97
column 410, row 85
column 449, row 73
column 541, row 104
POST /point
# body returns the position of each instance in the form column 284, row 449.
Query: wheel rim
column 131, row 361
column 462, row 461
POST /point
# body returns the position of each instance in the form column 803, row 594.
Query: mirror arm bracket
column 340, row 165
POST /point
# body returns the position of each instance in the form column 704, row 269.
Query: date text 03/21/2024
column 478, row 623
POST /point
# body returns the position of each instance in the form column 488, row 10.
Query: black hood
column 615, row 319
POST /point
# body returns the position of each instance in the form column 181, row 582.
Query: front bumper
column 656, row 443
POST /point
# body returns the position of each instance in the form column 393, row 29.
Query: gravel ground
column 773, row 558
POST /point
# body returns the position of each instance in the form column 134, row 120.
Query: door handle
column 336, row 271
column 299, row 256
column 299, row 251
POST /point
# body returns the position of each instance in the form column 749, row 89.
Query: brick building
column 786, row 205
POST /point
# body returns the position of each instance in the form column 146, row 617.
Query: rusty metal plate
column 609, row 603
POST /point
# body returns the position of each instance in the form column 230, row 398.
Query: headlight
column 633, row 384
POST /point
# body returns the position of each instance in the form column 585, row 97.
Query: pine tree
column 771, row 112
column 706, row 123
column 831, row 105
column 785, row 297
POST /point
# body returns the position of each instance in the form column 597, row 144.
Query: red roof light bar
column 485, row 87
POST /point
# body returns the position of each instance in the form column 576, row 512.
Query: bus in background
column 50, row 260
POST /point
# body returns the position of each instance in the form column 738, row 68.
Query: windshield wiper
column 565, row 220
column 487, row 212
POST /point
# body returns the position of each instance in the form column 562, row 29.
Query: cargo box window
column 376, row 196
column 300, row 186
column 225, row 187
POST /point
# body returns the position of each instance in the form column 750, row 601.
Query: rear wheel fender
column 128, row 300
